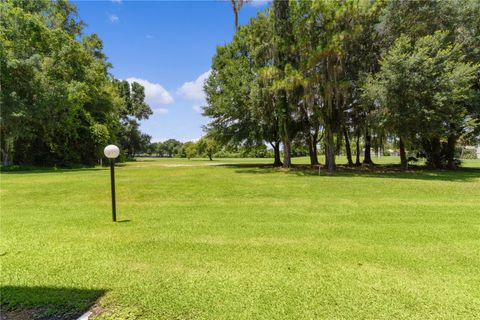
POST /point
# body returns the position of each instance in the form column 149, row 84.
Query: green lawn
column 240, row 241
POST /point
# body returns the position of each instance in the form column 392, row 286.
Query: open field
column 241, row 241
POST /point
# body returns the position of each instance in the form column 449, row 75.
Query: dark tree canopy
column 59, row 105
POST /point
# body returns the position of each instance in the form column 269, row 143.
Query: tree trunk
column 347, row 147
column 329, row 150
column 314, row 156
column 235, row 12
column 287, row 161
column 7, row 152
column 325, row 152
column 235, row 8
column 5, row 158
column 282, row 39
column 338, row 147
column 276, row 150
column 357, row 160
column 433, row 150
column 312, row 149
column 367, row 159
column 450, row 152
column 403, row 155
column 381, row 147
column 284, row 125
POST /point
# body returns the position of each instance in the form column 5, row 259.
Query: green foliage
column 423, row 90
column 170, row 148
column 307, row 72
column 59, row 104
column 101, row 137
column 207, row 146
column 191, row 149
column 133, row 109
column 468, row 154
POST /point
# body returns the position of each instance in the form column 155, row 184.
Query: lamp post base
column 112, row 178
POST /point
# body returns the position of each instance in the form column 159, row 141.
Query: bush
column 227, row 154
column 469, row 154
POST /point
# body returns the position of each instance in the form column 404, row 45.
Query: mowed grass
column 240, row 241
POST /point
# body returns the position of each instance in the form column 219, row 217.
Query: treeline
column 204, row 147
column 350, row 75
column 59, row 104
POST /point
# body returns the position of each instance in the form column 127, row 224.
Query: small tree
column 101, row 137
column 207, row 146
column 190, row 149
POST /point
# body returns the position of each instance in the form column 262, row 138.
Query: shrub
column 469, row 154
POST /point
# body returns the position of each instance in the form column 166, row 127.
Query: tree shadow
column 21, row 169
column 377, row 171
column 46, row 302
column 48, row 170
column 123, row 221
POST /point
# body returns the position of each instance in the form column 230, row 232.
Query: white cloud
column 155, row 95
column 197, row 108
column 258, row 3
column 193, row 90
column 113, row 18
column 185, row 139
column 161, row 110
column 149, row 36
column 181, row 139
column 116, row 1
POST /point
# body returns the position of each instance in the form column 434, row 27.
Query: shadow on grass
column 166, row 159
column 20, row 169
column 47, row 170
column 377, row 171
column 46, row 302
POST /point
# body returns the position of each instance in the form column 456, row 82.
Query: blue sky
column 167, row 46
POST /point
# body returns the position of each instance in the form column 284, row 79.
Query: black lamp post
column 111, row 152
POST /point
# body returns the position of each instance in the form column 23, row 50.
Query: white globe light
column 111, row 151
